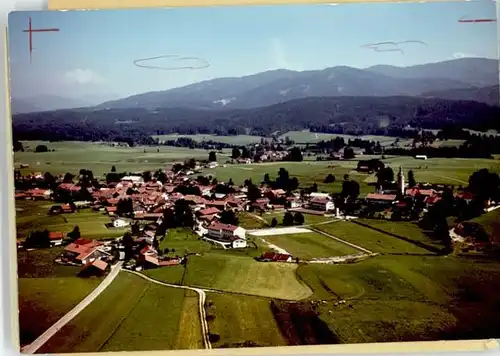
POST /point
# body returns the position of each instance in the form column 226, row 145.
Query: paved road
column 201, row 304
column 42, row 339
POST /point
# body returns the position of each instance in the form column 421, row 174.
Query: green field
column 183, row 241
column 242, row 319
column 71, row 156
column 310, row 245
column 47, row 290
column 131, row 314
column 32, row 216
column 250, row 221
column 405, row 229
column 232, row 140
column 491, row 224
column 370, row 239
column 396, row 298
column 242, row 274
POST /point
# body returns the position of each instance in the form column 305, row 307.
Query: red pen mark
column 30, row 30
column 462, row 20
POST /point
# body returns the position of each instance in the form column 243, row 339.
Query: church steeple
column 401, row 181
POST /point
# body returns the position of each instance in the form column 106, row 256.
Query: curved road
column 201, row 304
column 42, row 339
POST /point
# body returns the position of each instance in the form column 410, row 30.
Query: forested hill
column 362, row 115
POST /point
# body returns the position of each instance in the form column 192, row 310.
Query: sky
column 92, row 56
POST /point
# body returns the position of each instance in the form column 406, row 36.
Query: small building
column 132, row 179
column 276, row 257
column 95, row 268
column 380, row 198
column 83, row 251
column 212, row 165
column 423, row 157
column 225, row 231
column 322, row 204
column 56, row 238
column 120, row 223
column 239, row 243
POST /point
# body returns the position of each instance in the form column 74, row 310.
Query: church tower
column 401, row 181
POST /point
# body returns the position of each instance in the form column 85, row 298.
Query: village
column 149, row 205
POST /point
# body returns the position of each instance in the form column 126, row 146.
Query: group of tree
column 290, row 219
column 282, row 181
column 180, row 216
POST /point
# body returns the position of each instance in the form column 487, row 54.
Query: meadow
column 310, row 245
column 115, row 321
column 71, row 156
column 33, row 216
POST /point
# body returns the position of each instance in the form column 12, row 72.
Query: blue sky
column 93, row 53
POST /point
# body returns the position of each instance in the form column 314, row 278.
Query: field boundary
column 407, row 239
column 359, row 248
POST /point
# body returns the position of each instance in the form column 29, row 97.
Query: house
column 56, row 238
column 244, row 160
column 380, row 198
column 120, row 223
column 212, row 165
column 208, row 214
column 94, row 268
column 293, row 202
column 111, row 210
column 225, row 231
column 423, row 157
column 170, row 262
column 322, row 204
column 149, row 261
column 319, row 195
column 83, row 251
column 239, row 243
column 275, row 257
column 132, row 179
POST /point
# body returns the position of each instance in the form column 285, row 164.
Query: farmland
column 33, row 216
column 100, row 157
column 310, row 245
column 114, row 321
column 244, row 275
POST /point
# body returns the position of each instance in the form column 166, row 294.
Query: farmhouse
column 83, row 251
column 225, row 231
column 423, row 157
column 97, row 267
column 132, row 179
column 56, row 238
column 380, row 198
column 322, row 204
column 275, row 257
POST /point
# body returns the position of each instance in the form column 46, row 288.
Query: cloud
column 279, row 56
column 82, row 77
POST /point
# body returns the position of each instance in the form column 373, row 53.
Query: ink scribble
column 172, row 62
column 390, row 46
column 30, row 30
column 464, row 20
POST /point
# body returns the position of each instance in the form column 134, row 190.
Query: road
column 42, row 339
column 201, row 304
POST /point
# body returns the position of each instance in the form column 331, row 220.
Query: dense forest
column 348, row 115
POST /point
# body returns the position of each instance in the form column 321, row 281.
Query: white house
column 225, row 231
column 319, row 195
column 120, row 223
column 322, row 204
column 133, row 179
column 213, row 165
column 239, row 243
column 424, row 157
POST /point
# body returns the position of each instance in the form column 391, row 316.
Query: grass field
column 397, row 298
column 132, row 314
column 406, row 229
column 184, row 240
column 491, row 224
column 71, row 156
column 32, row 216
column 189, row 335
column 310, row 245
column 370, row 239
column 242, row 319
column 232, row 140
column 244, row 275
column 250, row 221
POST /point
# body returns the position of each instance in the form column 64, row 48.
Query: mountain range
column 474, row 79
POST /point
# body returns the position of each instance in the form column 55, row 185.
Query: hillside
column 489, row 95
column 358, row 115
column 273, row 87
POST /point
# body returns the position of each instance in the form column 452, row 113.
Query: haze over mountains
column 474, row 79
column 453, row 79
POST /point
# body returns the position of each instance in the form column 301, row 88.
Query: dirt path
column 276, row 248
column 201, row 304
column 362, row 249
column 455, row 179
column 42, row 339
